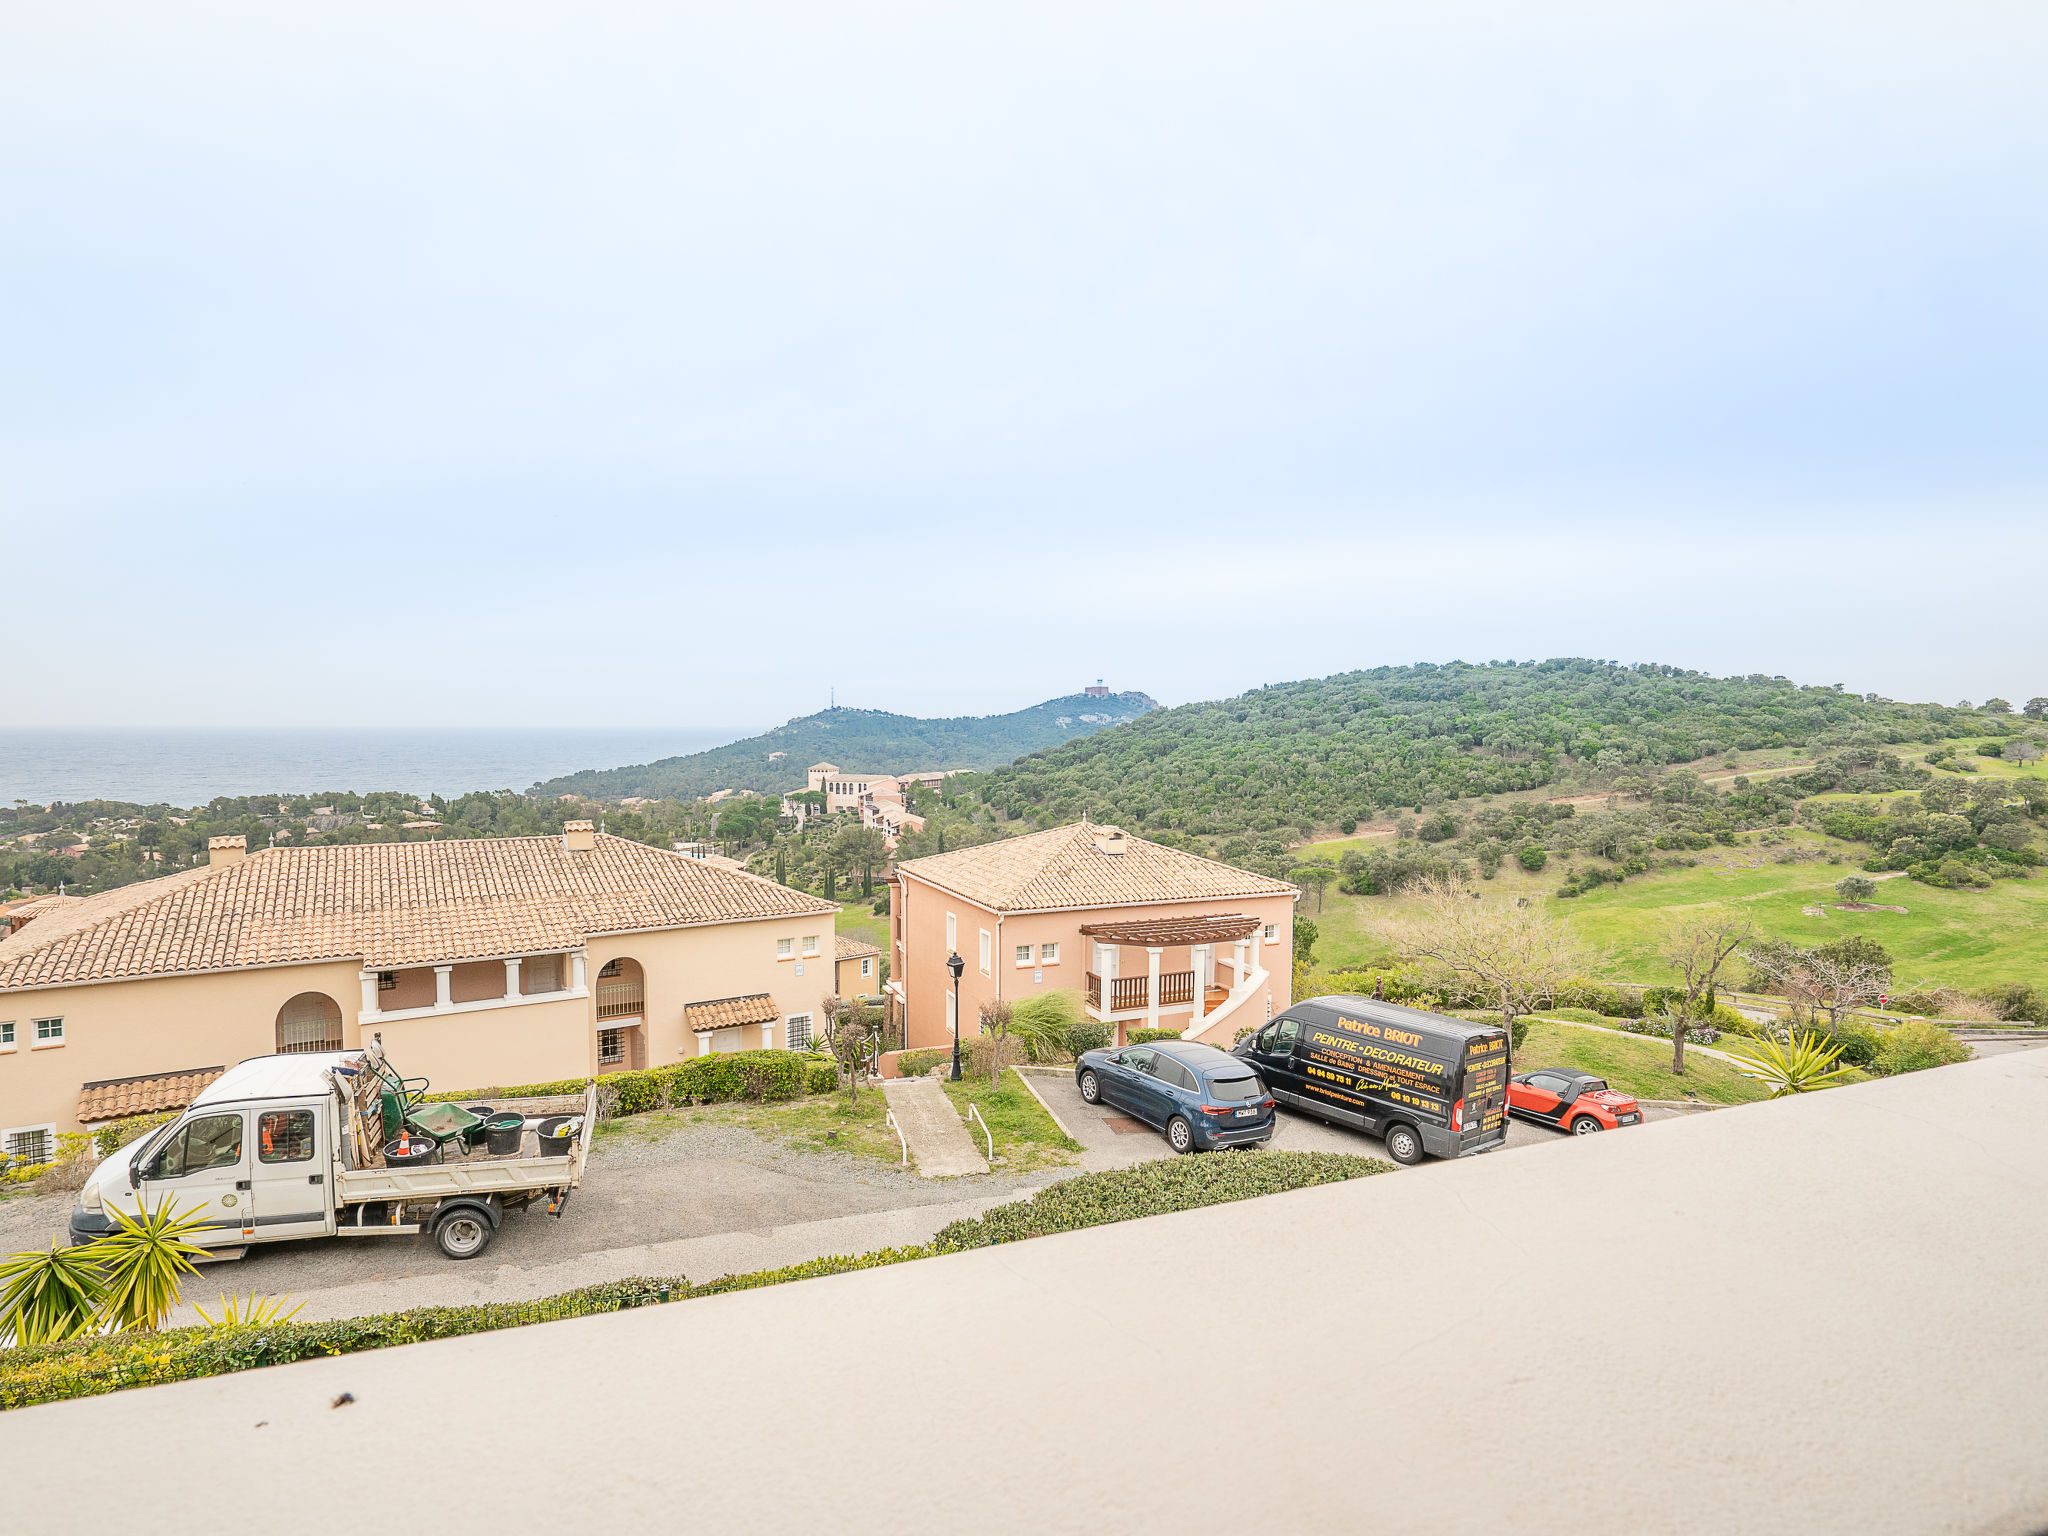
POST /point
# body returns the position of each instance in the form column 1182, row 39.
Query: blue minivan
column 1202, row 1098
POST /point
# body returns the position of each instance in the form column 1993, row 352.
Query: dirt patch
column 1864, row 906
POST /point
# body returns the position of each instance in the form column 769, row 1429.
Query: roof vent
column 226, row 850
column 1109, row 840
column 579, row 836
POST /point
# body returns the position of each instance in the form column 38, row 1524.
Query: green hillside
column 1296, row 757
column 862, row 740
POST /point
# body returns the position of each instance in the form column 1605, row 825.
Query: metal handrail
column 974, row 1113
column 890, row 1118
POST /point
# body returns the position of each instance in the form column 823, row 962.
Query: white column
column 1152, row 986
column 1238, row 980
column 369, row 992
column 703, row 1042
column 1196, row 958
column 512, row 977
column 442, row 997
column 767, row 1037
column 1258, row 938
column 576, row 970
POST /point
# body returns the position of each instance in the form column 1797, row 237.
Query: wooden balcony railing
column 1094, row 990
column 1126, row 993
column 1176, row 987
column 1131, row 994
column 620, row 999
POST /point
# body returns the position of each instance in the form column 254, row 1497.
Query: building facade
column 1149, row 936
column 479, row 962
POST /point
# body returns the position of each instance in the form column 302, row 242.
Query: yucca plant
column 146, row 1259
column 249, row 1311
column 49, row 1295
column 1800, row 1064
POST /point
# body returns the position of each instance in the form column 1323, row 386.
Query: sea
column 187, row 767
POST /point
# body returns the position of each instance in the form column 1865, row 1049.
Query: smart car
column 1570, row 1100
column 1202, row 1098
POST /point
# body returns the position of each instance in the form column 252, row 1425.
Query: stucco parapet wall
column 1707, row 1390
column 369, row 1016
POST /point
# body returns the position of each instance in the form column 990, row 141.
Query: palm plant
column 248, row 1311
column 48, row 1295
column 146, row 1259
column 1799, row 1064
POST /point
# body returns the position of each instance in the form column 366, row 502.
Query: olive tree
column 1855, row 887
column 1696, row 944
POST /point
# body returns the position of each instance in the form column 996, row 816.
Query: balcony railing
column 1132, row 994
column 620, row 999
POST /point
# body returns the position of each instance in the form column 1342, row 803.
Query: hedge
column 1151, row 1189
column 719, row 1078
column 917, row 1063
column 1147, row 1036
column 48, row 1373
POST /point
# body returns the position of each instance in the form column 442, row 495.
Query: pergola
column 1112, row 995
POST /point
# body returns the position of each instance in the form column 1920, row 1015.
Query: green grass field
column 862, row 923
column 1640, row 1067
column 1025, row 1134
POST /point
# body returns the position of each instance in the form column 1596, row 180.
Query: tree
column 2035, row 708
column 1514, row 956
column 1832, row 978
column 1305, row 935
column 1696, row 944
column 1855, row 887
column 1314, row 876
column 847, row 1040
column 861, row 848
column 1996, row 707
column 996, row 1017
column 1533, row 857
column 2023, row 752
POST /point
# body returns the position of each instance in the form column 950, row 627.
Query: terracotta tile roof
column 1064, row 868
column 116, row 1098
column 725, row 1012
column 846, row 947
column 386, row 905
column 1225, row 928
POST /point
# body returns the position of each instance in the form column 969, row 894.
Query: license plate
column 1246, row 1114
column 1626, row 1119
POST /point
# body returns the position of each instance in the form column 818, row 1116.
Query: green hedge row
column 917, row 1063
column 763, row 1076
column 1151, row 1189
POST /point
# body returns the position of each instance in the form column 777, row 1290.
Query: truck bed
column 482, row 1176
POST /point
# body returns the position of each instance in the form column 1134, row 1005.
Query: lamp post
column 956, row 965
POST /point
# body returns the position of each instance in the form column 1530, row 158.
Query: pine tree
column 781, row 865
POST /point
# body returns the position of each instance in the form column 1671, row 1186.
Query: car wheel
column 1404, row 1144
column 1585, row 1125
column 1180, row 1136
column 462, row 1234
column 1091, row 1088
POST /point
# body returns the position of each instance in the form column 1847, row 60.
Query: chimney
column 1109, row 840
column 221, row 851
column 578, row 836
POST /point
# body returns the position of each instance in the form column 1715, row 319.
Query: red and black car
column 1571, row 1100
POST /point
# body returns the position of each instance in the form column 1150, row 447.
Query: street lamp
column 956, row 965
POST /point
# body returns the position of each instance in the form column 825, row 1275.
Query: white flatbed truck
column 292, row 1146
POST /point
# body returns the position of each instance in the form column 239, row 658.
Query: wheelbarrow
column 443, row 1122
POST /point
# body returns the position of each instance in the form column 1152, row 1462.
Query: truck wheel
column 1585, row 1125
column 1180, row 1136
column 462, row 1234
column 1091, row 1088
column 1404, row 1145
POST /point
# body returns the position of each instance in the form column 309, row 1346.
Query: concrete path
column 699, row 1258
column 939, row 1143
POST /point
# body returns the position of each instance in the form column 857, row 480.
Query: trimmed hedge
column 763, row 1076
column 1147, row 1036
column 1152, row 1189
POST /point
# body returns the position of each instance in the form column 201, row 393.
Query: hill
column 863, row 740
column 1299, row 756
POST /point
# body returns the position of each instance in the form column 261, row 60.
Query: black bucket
column 474, row 1136
column 503, row 1133
column 558, row 1134
column 410, row 1152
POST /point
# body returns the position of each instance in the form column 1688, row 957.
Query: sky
column 614, row 365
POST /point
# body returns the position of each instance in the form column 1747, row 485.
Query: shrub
column 1659, row 1025
column 2012, row 1001
column 1533, row 857
column 1040, row 1023
column 116, row 1134
column 917, row 1063
column 1580, row 1015
column 1147, row 1036
column 1915, row 1045
column 719, row 1078
column 1855, row 888
column 1086, row 1036
column 823, row 1077
column 1859, row 1044
column 1148, row 1189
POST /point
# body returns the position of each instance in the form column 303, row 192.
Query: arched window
column 309, row 1022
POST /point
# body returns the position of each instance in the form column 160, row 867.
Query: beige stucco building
column 1150, row 936
column 481, row 963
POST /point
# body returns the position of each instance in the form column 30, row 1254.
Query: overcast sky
column 617, row 365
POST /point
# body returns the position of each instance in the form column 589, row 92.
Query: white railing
column 974, row 1114
column 891, row 1119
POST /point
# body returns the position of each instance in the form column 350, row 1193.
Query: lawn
column 861, row 923
column 823, row 1122
column 1025, row 1134
column 1640, row 1067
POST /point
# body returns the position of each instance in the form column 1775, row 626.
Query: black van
column 1424, row 1083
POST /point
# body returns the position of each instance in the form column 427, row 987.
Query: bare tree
column 1696, row 944
column 996, row 1018
column 1832, row 979
column 1514, row 956
column 846, row 1038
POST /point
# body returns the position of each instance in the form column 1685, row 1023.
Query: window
column 1235, row 1090
column 6, row 1034
column 1048, row 954
column 49, row 1031
column 285, row 1136
column 799, row 1031
column 810, row 944
column 610, row 968
column 211, row 1141
column 1137, row 1058
column 309, row 1022
column 1272, row 932
column 1023, row 954
column 952, row 934
column 988, row 952
column 387, row 981
column 540, row 973
column 785, row 949
column 1167, row 1070
column 611, row 1047
column 30, row 1143
column 1280, row 1038
column 867, row 966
